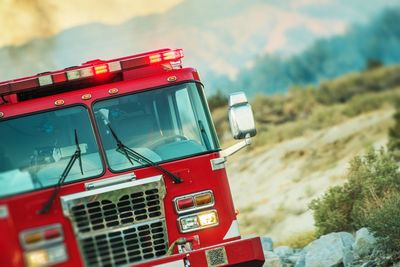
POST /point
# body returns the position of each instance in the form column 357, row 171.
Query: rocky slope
column 272, row 186
column 334, row 249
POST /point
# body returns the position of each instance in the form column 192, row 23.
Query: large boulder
column 284, row 251
column 329, row 250
column 364, row 243
column 286, row 254
column 272, row 259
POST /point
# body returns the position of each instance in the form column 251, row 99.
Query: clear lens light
column 37, row 258
column 189, row 223
column 208, row 218
column 46, row 257
column 199, row 221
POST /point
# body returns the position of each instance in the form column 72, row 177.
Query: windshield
column 161, row 125
column 37, row 148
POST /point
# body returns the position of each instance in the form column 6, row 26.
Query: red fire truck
column 117, row 163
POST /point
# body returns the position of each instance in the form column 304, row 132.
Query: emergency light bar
column 94, row 68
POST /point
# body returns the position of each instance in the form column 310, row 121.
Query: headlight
column 46, row 257
column 198, row 221
column 207, row 219
column 37, row 258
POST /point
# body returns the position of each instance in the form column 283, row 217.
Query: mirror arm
column 219, row 163
column 236, row 147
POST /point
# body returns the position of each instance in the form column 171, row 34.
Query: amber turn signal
column 203, row 199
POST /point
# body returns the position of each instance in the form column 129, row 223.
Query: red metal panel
column 5, row 88
column 24, row 85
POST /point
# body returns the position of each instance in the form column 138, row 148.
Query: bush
column 343, row 89
column 217, row 100
column 332, row 212
column 394, row 135
column 371, row 179
column 384, row 222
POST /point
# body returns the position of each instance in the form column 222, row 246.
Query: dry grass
column 298, row 240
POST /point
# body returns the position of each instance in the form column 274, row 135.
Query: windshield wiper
column 204, row 135
column 76, row 156
column 131, row 154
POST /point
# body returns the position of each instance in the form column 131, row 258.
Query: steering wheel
column 168, row 139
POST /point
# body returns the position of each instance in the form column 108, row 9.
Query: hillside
column 305, row 141
column 290, row 174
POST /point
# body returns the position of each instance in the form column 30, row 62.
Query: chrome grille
column 119, row 224
column 130, row 208
column 133, row 244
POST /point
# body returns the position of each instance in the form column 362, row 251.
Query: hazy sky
column 23, row 20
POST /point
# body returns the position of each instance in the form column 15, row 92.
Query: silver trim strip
column 110, row 181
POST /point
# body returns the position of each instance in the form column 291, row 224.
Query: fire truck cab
column 117, row 163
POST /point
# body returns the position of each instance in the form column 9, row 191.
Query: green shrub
column 362, row 103
column 384, row 222
column 217, row 100
column 332, row 212
column 394, row 135
column 371, row 179
column 344, row 88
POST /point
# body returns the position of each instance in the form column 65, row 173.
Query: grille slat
column 123, row 247
column 120, row 227
column 130, row 208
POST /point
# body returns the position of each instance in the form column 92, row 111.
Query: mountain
column 374, row 43
column 220, row 38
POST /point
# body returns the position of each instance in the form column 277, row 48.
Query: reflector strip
column 178, row 263
column 233, row 230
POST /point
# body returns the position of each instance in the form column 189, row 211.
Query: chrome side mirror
column 241, row 117
column 242, row 124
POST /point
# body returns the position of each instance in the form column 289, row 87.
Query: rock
column 284, row 251
column 364, row 243
column 329, row 250
column 272, row 259
column 301, row 261
column 293, row 259
column 369, row 264
column 267, row 243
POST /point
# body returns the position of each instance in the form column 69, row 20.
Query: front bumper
column 243, row 252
